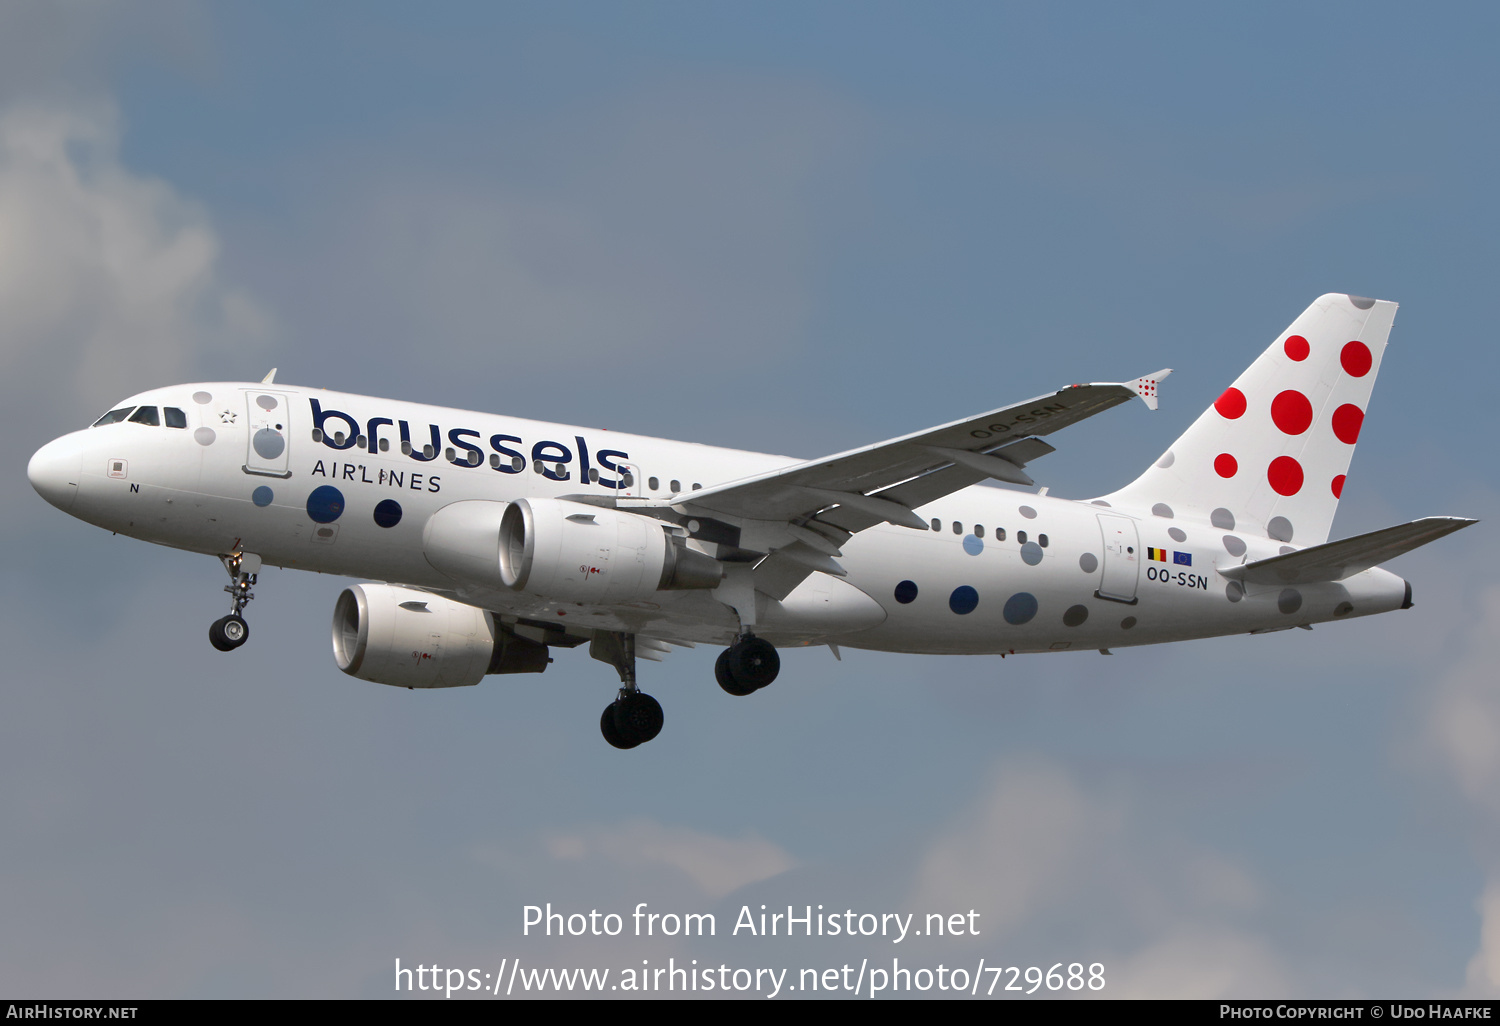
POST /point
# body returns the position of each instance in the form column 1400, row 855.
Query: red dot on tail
column 1347, row 420
column 1231, row 405
column 1338, row 487
column 1356, row 359
column 1292, row 412
column 1296, row 347
column 1226, row 465
column 1285, row 475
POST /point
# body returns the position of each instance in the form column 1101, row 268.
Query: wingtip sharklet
column 1145, row 386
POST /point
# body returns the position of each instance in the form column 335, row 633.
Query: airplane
column 488, row 541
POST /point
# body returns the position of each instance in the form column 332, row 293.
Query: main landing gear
column 230, row 632
column 634, row 717
column 747, row 666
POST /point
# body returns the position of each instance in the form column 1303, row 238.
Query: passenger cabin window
column 979, row 530
column 937, row 525
column 676, row 487
column 957, row 527
column 114, row 416
column 1041, row 540
column 146, row 415
column 1021, row 537
column 175, row 417
column 655, row 484
column 999, row 534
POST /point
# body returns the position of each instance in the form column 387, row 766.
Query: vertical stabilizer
column 1270, row 455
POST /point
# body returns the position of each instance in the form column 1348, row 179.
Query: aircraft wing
column 1337, row 561
column 813, row 507
column 884, row 482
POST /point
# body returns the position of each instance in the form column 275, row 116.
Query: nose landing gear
column 230, row 632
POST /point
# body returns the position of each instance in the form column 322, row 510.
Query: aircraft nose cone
column 54, row 471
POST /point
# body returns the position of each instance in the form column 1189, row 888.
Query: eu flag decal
column 1182, row 558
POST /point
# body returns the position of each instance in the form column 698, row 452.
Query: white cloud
column 1483, row 976
column 715, row 865
column 1016, row 850
column 1043, row 853
column 107, row 277
column 1463, row 733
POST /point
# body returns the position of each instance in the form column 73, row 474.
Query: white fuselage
column 1003, row 570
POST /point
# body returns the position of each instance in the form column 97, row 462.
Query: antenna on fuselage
column 269, row 378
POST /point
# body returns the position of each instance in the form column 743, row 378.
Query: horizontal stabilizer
column 1335, row 561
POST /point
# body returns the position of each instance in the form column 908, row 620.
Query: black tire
column 228, row 633
column 638, row 717
column 726, row 679
column 610, row 731
column 753, row 662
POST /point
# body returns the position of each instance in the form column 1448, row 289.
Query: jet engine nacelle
column 415, row 639
column 581, row 553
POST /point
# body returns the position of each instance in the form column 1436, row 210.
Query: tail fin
column 1270, row 455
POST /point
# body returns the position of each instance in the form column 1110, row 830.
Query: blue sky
column 788, row 227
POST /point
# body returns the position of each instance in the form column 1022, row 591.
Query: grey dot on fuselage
column 1075, row 616
column 1088, row 562
column 268, row 444
column 1234, row 591
column 1161, row 509
column 1280, row 528
column 1289, row 601
column 1361, row 302
column 1177, row 534
column 1234, row 546
column 1031, row 553
column 1167, row 459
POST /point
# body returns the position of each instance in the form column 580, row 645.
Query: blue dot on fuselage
column 973, row 544
column 906, row 592
column 963, row 600
column 262, row 496
column 325, row 504
column 1020, row 608
column 388, row 513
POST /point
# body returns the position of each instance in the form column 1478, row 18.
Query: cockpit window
column 146, row 415
column 175, row 417
column 114, row 416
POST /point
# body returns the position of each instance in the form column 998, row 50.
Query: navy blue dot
column 325, row 504
column 388, row 513
column 963, row 600
column 262, row 496
column 906, row 592
column 973, row 544
column 1020, row 608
